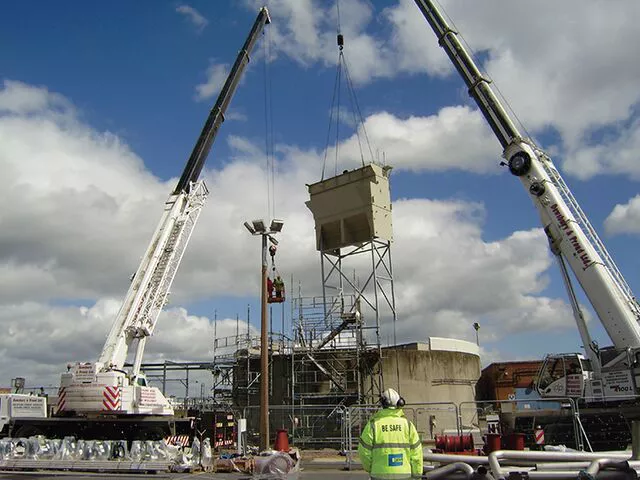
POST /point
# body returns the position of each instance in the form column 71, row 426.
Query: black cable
column 266, row 123
column 338, row 111
column 333, row 100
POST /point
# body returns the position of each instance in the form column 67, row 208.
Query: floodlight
column 249, row 227
column 276, row 225
column 272, row 240
column 258, row 226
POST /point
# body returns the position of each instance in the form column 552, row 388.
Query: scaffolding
column 338, row 335
column 332, row 363
column 236, row 366
column 334, row 354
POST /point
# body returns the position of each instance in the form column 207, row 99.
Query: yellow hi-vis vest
column 390, row 447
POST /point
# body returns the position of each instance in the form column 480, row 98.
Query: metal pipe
column 495, row 457
column 444, row 458
column 597, row 465
column 562, row 465
column 575, row 465
column 444, row 472
column 573, row 475
column 482, row 474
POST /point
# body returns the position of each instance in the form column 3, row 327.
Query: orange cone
column 282, row 441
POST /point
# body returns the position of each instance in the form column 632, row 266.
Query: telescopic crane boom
column 149, row 289
column 572, row 239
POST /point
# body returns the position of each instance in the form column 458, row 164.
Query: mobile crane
column 605, row 374
column 102, row 399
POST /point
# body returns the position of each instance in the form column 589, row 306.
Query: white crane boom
column 147, row 294
column 150, row 285
column 104, row 385
column 568, row 229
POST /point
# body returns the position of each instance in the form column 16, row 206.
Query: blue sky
column 100, row 105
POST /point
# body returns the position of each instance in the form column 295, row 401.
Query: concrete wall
column 430, row 373
column 441, row 370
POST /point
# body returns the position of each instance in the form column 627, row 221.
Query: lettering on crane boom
column 571, row 236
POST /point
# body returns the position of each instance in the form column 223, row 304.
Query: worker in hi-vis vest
column 390, row 447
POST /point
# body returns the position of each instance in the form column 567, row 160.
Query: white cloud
column 569, row 69
column 305, row 31
column 80, row 207
column 557, row 71
column 624, row 218
column 462, row 278
column 216, row 75
column 429, row 143
column 41, row 339
column 618, row 152
column 194, row 16
column 20, row 98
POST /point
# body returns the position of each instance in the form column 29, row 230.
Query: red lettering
column 571, row 236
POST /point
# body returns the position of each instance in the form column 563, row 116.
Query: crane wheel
column 520, row 164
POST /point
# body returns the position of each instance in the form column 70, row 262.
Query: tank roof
column 441, row 344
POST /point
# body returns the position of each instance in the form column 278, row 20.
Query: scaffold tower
column 338, row 335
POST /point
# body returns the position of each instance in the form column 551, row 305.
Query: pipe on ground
column 447, row 470
column 591, row 473
column 444, row 458
column 495, row 457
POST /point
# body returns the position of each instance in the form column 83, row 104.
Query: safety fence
column 308, row 426
column 557, row 418
column 535, row 423
column 513, row 424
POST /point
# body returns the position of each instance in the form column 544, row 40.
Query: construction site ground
column 304, row 475
column 308, row 473
column 315, row 466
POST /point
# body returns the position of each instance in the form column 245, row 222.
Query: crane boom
column 150, row 286
column 216, row 117
column 104, row 386
column 569, row 232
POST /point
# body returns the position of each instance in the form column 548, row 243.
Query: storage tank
column 440, row 370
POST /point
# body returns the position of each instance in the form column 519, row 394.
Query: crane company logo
column 571, row 236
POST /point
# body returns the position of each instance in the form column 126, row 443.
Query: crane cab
column 563, row 375
column 139, row 380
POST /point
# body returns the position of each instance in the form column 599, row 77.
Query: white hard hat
column 390, row 398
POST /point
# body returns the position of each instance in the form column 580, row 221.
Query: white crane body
column 105, row 386
column 609, row 374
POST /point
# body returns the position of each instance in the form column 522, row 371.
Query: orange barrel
column 282, row 441
column 467, row 442
column 492, row 442
column 515, row 441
